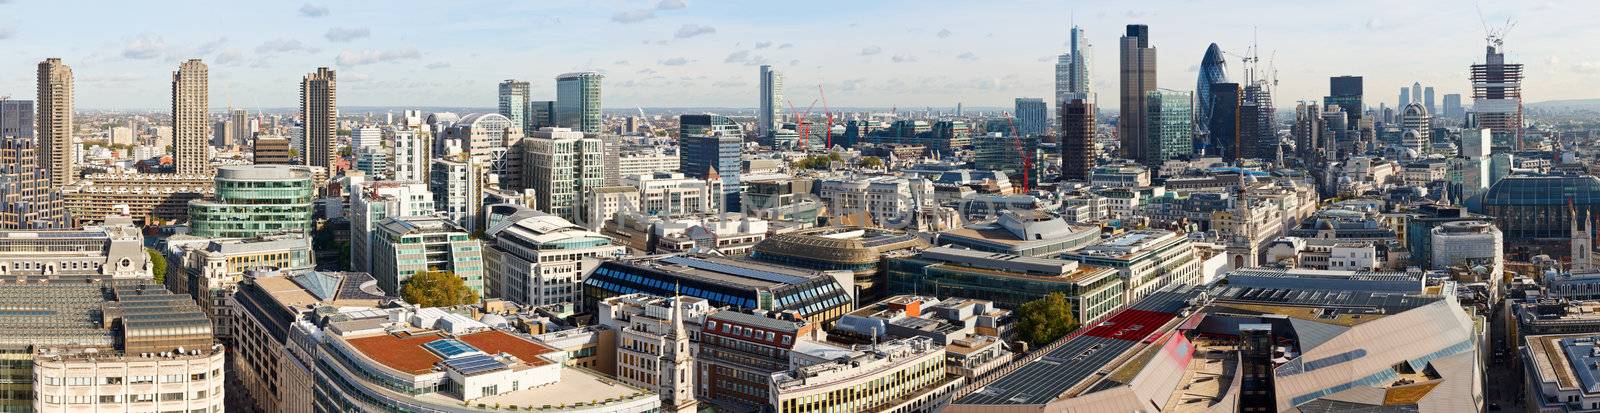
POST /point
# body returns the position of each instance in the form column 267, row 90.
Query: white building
column 639, row 163
column 1470, row 244
column 371, row 202
column 536, row 259
column 412, row 154
column 671, row 194
column 657, row 339
column 877, row 200
column 561, row 165
column 364, row 137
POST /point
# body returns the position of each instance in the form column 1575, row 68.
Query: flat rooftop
column 1084, row 353
column 739, row 273
column 407, row 352
column 575, row 387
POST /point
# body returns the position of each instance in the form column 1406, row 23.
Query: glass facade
column 1533, row 208
column 1213, row 69
column 1168, row 119
column 578, row 101
column 255, row 200
column 914, row 275
column 709, row 142
column 819, row 299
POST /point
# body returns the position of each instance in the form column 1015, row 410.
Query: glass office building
column 1168, row 120
column 255, row 200
column 1213, row 70
column 578, row 101
column 1539, row 209
column 712, row 144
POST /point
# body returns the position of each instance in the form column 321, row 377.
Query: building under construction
column 1497, row 97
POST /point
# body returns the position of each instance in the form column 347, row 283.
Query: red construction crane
column 1027, row 158
column 828, row 143
column 800, row 122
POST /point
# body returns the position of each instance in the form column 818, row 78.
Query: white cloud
column 692, row 30
column 944, row 33
column 284, row 45
column 230, row 57
column 311, row 10
column 671, row 5
column 354, row 77
column 737, row 57
column 145, row 46
column 763, row 45
column 349, row 58
column 900, row 58
column 340, row 34
column 438, row 65
column 967, row 56
column 633, row 16
column 785, row 45
column 871, row 50
column 676, row 61
column 1587, row 67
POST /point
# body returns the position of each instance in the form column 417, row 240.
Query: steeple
column 677, row 381
column 1582, row 241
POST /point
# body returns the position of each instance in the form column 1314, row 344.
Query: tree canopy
column 818, row 161
column 870, row 162
column 1046, row 319
column 158, row 265
column 437, row 289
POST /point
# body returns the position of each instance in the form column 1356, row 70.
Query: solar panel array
column 451, row 348
column 474, row 364
column 729, row 269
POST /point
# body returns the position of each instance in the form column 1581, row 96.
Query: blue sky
column 664, row 53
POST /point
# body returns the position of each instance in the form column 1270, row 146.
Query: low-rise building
column 210, row 271
column 269, row 303
column 114, row 249
column 905, row 375
column 1559, row 371
column 818, row 296
column 1007, row 280
column 657, row 340
column 537, row 259
column 406, row 246
column 1147, row 260
column 856, row 249
column 1027, row 233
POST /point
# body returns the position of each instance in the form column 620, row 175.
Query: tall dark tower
column 1077, row 140
column 1138, row 77
column 1345, row 91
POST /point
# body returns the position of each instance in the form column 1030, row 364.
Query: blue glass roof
column 451, row 348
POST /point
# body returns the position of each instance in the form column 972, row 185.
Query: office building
column 1032, row 116
column 855, row 249
column 363, row 137
column 771, row 101
column 1077, row 140
column 1005, row 153
column 1007, row 280
column 319, row 111
column 1405, row 97
column 147, row 198
column 817, row 296
column 1427, row 100
column 26, row 199
column 494, row 142
column 1537, row 211
column 374, row 162
column 1346, row 92
column 1138, row 78
column 1468, row 244
column 1257, row 130
column 210, row 271
column 406, row 360
column 562, row 165
column 1497, row 96
column 541, row 114
column 1213, row 70
column 1169, row 121
column 252, row 200
column 1148, row 260
column 123, row 345
column 412, row 154
column 711, row 145
column 1308, row 130
column 515, row 103
column 875, row 201
column 114, row 249
column 1072, row 70
column 191, row 119
column 1226, row 101
column 458, row 189
column 1452, row 107
column 405, row 246
column 1415, row 118
column 371, row 203
column 269, row 304
column 740, row 352
column 1557, row 372
column 56, row 123
column 537, row 259
column 578, row 101
column 900, row 375
column 271, row 150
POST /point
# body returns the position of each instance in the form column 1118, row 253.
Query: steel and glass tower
column 1345, row 91
column 578, row 101
column 1213, row 70
column 1072, row 69
column 514, row 104
column 1138, row 78
column 771, row 100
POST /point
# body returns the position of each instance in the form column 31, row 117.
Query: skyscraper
column 26, row 201
column 1072, row 70
column 1226, row 99
column 1427, row 100
column 1169, row 120
column 1416, row 128
column 1213, row 70
column 514, row 104
column 1497, row 96
column 542, row 114
column 1032, row 115
column 190, row 121
column 56, row 122
column 562, row 166
column 1345, row 91
column 238, row 125
column 1416, row 92
column 1256, row 128
column 1308, row 130
column 771, row 100
column 578, row 101
column 711, row 145
column 1405, row 97
column 320, row 112
column 1077, row 139
column 1452, row 106
column 1138, row 78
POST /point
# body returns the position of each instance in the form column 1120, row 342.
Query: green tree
column 870, row 162
column 437, row 289
column 1046, row 319
column 345, row 151
column 158, row 265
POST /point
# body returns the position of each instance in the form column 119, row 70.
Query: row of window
column 118, row 398
column 136, row 379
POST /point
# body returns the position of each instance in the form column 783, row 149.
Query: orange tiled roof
column 405, row 353
column 496, row 342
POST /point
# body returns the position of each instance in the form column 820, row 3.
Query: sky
column 705, row 53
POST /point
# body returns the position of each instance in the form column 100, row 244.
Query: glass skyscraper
column 578, row 101
column 1169, row 118
column 514, row 104
column 1213, row 70
column 1031, row 116
column 254, row 200
column 711, row 144
column 1346, row 91
column 1224, row 122
column 1072, row 69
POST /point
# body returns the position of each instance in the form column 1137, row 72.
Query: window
column 167, row 397
column 112, row 380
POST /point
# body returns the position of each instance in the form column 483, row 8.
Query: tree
column 437, row 289
column 158, row 265
column 870, row 162
column 1046, row 319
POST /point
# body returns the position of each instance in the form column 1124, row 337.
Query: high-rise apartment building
column 238, row 130
column 320, row 113
column 1345, row 91
column 710, row 145
column 562, row 165
column 1405, row 97
column 578, row 101
column 26, row 201
column 1077, row 140
column 191, row 121
column 771, row 100
column 1169, row 120
column 1138, row 70
column 411, row 154
column 56, row 122
column 1072, row 70
column 514, row 103
column 1213, row 70
column 1032, row 116
column 1497, row 96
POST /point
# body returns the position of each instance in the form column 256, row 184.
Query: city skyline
column 683, row 54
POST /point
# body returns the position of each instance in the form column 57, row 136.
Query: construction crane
column 646, row 121
column 1495, row 36
column 1027, row 158
column 828, row 142
column 800, row 122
